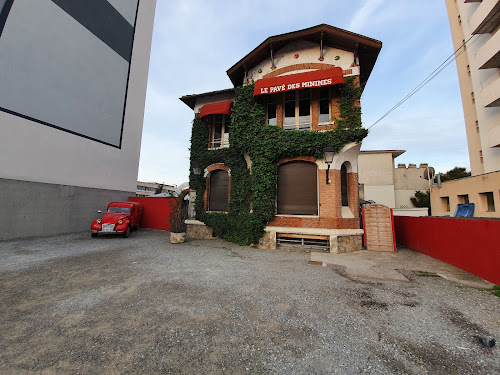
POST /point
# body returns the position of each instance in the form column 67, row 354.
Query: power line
column 436, row 71
column 431, row 76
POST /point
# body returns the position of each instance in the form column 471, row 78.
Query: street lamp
column 196, row 169
column 328, row 153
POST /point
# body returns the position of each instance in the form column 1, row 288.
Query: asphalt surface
column 72, row 304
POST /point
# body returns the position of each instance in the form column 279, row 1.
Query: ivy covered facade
column 258, row 174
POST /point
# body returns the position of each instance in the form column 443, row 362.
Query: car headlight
column 98, row 221
column 120, row 221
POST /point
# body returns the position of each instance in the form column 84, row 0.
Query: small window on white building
column 487, row 201
column 445, row 204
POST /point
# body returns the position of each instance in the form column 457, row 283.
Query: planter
column 177, row 237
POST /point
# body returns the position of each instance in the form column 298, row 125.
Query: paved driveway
column 71, row 304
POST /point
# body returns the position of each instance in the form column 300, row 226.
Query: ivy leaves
column 253, row 197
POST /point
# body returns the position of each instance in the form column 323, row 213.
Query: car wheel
column 127, row 232
column 93, row 234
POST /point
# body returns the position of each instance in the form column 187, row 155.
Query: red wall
column 156, row 212
column 470, row 244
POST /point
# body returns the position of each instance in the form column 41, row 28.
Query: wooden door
column 378, row 225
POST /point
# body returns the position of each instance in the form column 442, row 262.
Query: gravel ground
column 75, row 305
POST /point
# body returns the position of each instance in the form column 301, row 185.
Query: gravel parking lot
column 72, row 304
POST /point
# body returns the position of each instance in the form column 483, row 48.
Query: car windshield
column 119, row 210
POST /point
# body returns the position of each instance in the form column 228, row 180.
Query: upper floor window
column 271, row 110
column 297, row 110
column 324, row 105
column 219, row 130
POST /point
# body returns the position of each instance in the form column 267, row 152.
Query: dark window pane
column 217, row 133
column 343, row 185
column 290, row 112
column 227, row 123
column 219, row 191
column 304, row 94
column 324, row 104
column 218, row 130
column 271, row 111
column 298, row 189
column 304, row 106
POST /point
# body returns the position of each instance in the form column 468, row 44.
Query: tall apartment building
column 73, row 77
column 476, row 23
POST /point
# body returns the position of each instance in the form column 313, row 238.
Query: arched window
column 344, row 185
column 298, row 188
column 218, row 191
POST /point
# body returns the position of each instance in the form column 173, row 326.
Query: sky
column 196, row 41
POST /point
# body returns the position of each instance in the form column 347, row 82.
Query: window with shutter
column 219, row 191
column 298, row 189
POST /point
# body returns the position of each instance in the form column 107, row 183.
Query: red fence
column 156, row 212
column 470, row 244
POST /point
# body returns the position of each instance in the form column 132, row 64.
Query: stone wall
column 198, row 231
column 347, row 244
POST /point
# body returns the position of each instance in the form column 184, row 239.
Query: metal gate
column 378, row 223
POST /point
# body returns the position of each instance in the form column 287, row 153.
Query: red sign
column 317, row 78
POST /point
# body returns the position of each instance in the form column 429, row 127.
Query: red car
column 120, row 218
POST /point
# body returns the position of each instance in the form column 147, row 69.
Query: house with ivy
column 274, row 159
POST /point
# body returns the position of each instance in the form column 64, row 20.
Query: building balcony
column 486, row 18
column 490, row 95
column 488, row 56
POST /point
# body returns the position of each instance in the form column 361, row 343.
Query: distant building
column 382, row 183
column 477, row 24
column 73, row 77
column 146, row 189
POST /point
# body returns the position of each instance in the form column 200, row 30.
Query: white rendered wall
column 307, row 53
column 488, row 117
column 30, row 151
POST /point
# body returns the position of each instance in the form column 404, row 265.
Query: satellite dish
column 429, row 173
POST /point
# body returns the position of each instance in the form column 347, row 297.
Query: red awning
column 316, row 78
column 223, row 108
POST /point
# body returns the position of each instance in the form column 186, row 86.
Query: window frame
column 210, row 189
column 317, row 191
column 344, row 186
column 275, row 100
column 330, row 120
column 297, row 125
column 224, row 140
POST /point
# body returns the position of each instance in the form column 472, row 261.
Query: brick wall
column 330, row 203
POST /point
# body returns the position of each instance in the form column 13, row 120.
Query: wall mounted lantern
column 196, row 169
column 329, row 153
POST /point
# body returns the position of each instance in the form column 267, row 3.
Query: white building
column 476, row 23
column 73, row 78
column 391, row 186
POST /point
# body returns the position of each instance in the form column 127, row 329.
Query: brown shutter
column 298, row 189
column 219, row 191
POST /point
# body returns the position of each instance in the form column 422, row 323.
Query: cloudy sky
column 196, row 41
